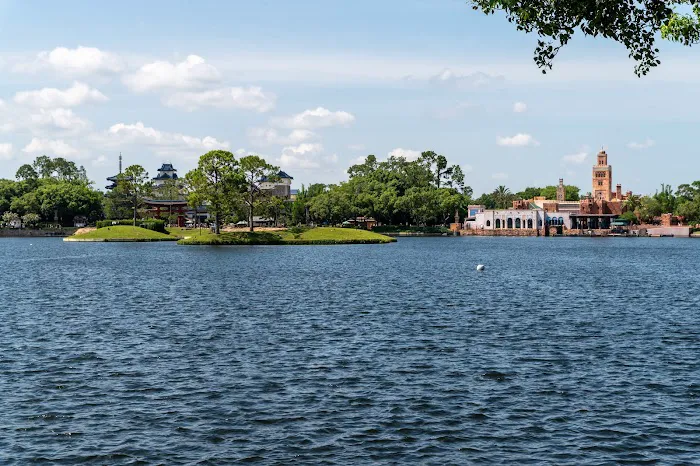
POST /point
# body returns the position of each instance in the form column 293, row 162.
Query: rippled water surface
column 564, row 351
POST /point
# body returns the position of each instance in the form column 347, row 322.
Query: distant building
column 281, row 186
column 165, row 172
column 113, row 179
column 554, row 216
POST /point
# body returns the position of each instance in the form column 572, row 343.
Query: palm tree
column 503, row 197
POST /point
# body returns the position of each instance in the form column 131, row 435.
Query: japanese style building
column 165, row 172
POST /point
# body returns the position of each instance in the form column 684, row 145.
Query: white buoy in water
column 480, row 267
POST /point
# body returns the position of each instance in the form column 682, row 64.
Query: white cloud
column 250, row 98
column 79, row 61
column 408, row 154
column 193, row 72
column 100, row 161
column 450, row 78
column 50, row 97
column 263, row 137
column 162, row 142
column 303, row 156
column 519, row 140
column 576, row 159
column 5, row 151
column 519, row 107
column 500, row 176
column 356, row 147
column 60, row 118
column 358, row 160
column 49, row 147
column 641, row 145
column 316, row 118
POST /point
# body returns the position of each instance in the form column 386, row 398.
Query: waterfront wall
column 500, row 232
column 32, row 233
column 679, row 232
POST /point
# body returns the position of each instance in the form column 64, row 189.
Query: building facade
column 281, row 186
column 165, row 172
column 602, row 178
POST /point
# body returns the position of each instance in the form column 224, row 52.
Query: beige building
column 602, row 178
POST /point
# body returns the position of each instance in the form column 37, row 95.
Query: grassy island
column 319, row 236
column 122, row 233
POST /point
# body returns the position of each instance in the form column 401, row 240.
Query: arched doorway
column 498, row 223
column 517, row 223
column 510, row 223
column 529, row 223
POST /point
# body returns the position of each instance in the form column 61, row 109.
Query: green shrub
column 152, row 224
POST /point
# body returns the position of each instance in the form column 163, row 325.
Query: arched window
column 561, row 220
column 510, row 223
column 498, row 223
column 517, row 223
column 529, row 223
column 488, row 223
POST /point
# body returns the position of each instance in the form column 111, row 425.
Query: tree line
column 427, row 191
column 49, row 191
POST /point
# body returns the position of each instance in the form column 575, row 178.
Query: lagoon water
column 563, row 351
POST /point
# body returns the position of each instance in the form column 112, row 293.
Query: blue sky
column 314, row 86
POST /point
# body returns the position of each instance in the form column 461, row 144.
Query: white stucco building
column 518, row 219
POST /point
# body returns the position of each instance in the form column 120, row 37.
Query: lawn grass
column 119, row 233
column 318, row 236
column 335, row 236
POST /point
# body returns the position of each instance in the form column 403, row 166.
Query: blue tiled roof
column 280, row 175
column 167, row 167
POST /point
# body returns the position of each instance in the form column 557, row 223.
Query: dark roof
column 280, row 174
column 165, row 176
column 167, row 167
column 166, row 202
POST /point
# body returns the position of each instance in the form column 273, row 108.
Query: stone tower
column 602, row 178
column 561, row 191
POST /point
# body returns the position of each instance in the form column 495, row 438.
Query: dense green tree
column 58, row 168
column 215, row 183
column 134, row 185
column 274, row 209
column 571, row 193
column 666, row 199
column 26, row 173
column 253, row 169
column 634, row 24
column 629, row 216
column 502, row 197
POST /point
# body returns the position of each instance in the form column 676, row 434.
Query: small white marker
column 480, row 267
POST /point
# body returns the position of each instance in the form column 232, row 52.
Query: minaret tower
column 561, row 191
column 602, row 178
